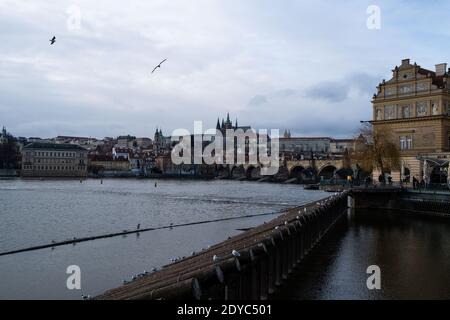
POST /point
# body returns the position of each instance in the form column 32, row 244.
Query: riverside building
column 54, row 160
column 414, row 107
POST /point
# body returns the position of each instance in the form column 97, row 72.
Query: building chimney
column 441, row 68
column 405, row 62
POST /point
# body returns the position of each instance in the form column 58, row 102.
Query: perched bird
column 52, row 40
column 158, row 66
column 138, row 226
column 215, row 258
column 235, row 253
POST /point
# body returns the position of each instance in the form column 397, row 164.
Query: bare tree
column 374, row 149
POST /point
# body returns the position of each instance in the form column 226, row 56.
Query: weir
column 254, row 264
column 251, row 265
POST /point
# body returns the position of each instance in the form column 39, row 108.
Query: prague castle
column 414, row 108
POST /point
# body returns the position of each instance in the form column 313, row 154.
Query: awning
column 434, row 161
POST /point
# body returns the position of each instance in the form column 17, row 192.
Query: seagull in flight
column 52, row 40
column 159, row 65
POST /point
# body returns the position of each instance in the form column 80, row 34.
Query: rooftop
column 54, row 146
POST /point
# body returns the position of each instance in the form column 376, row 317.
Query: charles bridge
column 289, row 171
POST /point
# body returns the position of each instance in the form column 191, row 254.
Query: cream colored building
column 54, row 160
column 414, row 107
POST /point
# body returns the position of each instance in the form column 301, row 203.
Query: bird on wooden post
column 235, row 253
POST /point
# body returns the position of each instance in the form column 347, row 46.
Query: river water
column 412, row 252
column 36, row 212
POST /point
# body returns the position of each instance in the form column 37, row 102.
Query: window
column 405, row 142
column 389, row 112
column 406, row 111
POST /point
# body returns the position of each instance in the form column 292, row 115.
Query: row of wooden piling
column 262, row 259
column 263, row 268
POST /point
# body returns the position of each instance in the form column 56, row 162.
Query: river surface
column 411, row 251
column 34, row 212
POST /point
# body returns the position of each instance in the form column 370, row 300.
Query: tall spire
column 228, row 117
column 218, row 124
column 236, row 124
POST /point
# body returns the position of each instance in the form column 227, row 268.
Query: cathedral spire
column 218, row 124
column 236, row 124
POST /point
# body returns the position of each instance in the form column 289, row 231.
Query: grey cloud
column 328, row 90
column 258, row 100
column 338, row 91
column 281, row 70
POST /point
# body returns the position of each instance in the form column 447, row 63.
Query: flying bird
column 52, row 40
column 159, row 65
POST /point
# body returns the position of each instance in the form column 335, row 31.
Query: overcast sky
column 308, row 66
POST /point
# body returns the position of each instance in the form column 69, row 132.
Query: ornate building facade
column 414, row 108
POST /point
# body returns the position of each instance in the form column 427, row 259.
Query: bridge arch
column 327, row 171
column 297, row 172
column 252, row 173
column 237, row 172
column 222, row 172
column 309, row 174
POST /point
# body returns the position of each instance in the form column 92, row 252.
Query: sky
column 307, row 66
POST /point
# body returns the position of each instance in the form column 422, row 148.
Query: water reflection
column 412, row 251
